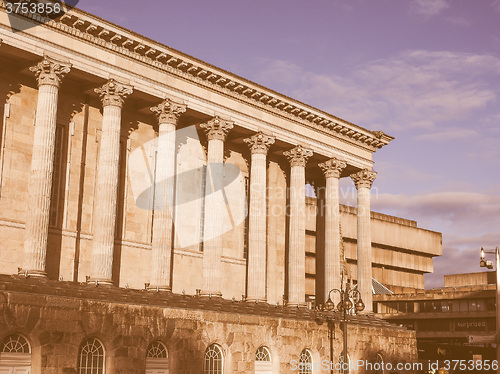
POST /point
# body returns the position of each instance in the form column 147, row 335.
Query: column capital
column 260, row 142
column 332, row 168
column 168, row 111
column 364, row 178
column 217, row 128
column 50, row 72
column 298, row 156
column 113, row 93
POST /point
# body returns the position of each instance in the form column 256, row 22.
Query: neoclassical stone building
column 160, row 213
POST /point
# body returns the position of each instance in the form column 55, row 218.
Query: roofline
column 118, row 39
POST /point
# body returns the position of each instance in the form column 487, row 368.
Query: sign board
column 481, row 339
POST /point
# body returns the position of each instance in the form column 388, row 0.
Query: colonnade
column 50, row 73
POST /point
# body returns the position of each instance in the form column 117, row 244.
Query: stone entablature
column 57, row 316
column 119, row 40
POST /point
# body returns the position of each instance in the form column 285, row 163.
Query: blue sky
column 424, row 71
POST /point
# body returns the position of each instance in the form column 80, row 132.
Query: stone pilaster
column 112, row 95
column 49, row 74
column 297, row 157
column 257, row 220
column 216, row 130
column 332, row 169
column 168, row 114
column 363, row 181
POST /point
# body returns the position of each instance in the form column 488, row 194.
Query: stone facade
column 57, row 316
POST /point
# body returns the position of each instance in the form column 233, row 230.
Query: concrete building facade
column 127, row 165
column 455, row 322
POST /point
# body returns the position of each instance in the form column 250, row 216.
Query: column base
column 31, row 273
column 256, row 300
column 158, row 288
column 99, row 281
column 211, row 294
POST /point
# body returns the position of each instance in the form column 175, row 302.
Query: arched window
column 157, row 359
column 91, row 359
column 15, row 343
column 213, row 360
column 305, row 362
column 263, row 362
column 379, row 364
column 15, row 354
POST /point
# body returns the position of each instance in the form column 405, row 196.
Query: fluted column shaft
column 332, row 169
column 216, row 131
column 168, row 114
column 112, row 95
column 363, row 181
column 297, row 229
column 257, row 219
column 49, row 74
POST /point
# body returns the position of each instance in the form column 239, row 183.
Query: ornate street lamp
column 350, row 303
column 489, row 265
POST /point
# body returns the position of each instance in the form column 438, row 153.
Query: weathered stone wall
column 57, row 316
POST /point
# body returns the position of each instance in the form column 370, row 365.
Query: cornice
column 104, row 34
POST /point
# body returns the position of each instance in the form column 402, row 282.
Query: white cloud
column 456, row 210
column 450, row 134
column 429, row 7
column 412, row 89
column 468, row 220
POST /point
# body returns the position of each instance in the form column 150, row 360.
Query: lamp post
column 349, row 298
column 489, row 265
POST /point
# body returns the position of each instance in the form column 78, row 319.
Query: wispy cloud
column 450, row 134
column 458, row 21
column 413, row 89
column 429, row 7
column 457, row 210
column 468, row 220
column 496, row 5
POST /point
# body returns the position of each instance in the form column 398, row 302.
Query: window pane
column 91, row 357
column 464, row 306
column 481, row 305
column 213, row 360
column 472, row 305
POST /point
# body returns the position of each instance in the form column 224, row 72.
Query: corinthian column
column 49, row 74
column 168, row 114
column 363, row 181
column 257, row 222
column 112, row 95
column 332, row 169
column 216, row 130
column 297, row 239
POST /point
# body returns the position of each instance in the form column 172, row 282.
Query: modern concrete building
column 456, row 322
column 160, row 213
